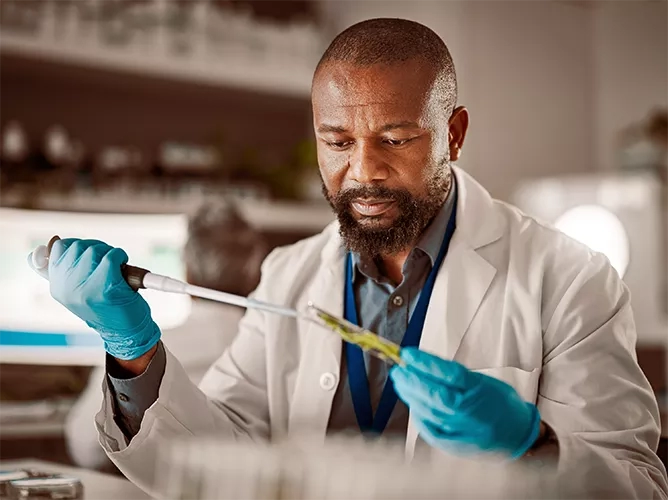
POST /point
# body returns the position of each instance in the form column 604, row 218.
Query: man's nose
column 367, row 165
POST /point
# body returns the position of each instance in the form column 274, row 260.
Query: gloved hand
column 461, row 411
column 85, row 277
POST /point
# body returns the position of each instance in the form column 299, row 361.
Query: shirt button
column 123, row 397
column 398, row 300
column 328, row 381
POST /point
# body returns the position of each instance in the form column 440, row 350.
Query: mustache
column 345, row 197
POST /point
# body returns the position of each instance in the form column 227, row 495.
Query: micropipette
column 139, row 278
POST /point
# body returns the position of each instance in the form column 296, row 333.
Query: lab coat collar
column 478, row 223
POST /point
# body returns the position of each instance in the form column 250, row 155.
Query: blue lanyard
column 357, row 377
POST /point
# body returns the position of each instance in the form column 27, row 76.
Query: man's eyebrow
column 330, row 128
column 394, row 126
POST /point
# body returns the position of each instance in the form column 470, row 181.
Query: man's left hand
column 461, row 411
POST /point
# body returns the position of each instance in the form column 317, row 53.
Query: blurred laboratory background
column 120, row 119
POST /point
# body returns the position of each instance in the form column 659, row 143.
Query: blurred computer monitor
column 620, row 216
column 36, row 329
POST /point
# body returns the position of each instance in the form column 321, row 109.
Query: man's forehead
column 342, row 84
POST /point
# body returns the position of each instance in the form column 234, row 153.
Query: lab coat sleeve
column 594, row 394
column 231, row 403
column 80, row 432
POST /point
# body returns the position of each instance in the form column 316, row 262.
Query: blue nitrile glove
column 461, row 411
column 85, row 277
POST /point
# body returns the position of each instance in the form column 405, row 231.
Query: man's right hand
column 85, row 276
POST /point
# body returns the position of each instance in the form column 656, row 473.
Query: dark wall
column 104, row 108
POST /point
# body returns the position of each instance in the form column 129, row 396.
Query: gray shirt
column 382, row 308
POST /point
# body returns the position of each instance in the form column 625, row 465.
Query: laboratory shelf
column 234, row 69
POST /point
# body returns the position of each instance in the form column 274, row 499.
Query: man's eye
column 338, row 144
column 396, row 142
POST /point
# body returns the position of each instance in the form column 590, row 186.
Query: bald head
column 393, row 41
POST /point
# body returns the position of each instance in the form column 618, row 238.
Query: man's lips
column 371, row 207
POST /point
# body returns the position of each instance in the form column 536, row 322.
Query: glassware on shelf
column 14, row 148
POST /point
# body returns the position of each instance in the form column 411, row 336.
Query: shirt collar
column 432, row 237
column 429, row 242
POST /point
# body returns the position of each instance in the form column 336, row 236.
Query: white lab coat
column 198, row 342
column 514, row 299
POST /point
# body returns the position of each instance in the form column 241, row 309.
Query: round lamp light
column 600, row 230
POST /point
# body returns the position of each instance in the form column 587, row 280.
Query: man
column 539, row 327
column 222, row 253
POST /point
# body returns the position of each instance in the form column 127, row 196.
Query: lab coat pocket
column 523, row 381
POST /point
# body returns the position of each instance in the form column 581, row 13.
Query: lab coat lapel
column 458, row 292
column 320, row 370
column 463, row 279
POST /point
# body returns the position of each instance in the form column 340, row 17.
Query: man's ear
column 458, row 125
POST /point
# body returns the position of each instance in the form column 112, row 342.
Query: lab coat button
column 328, row 381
